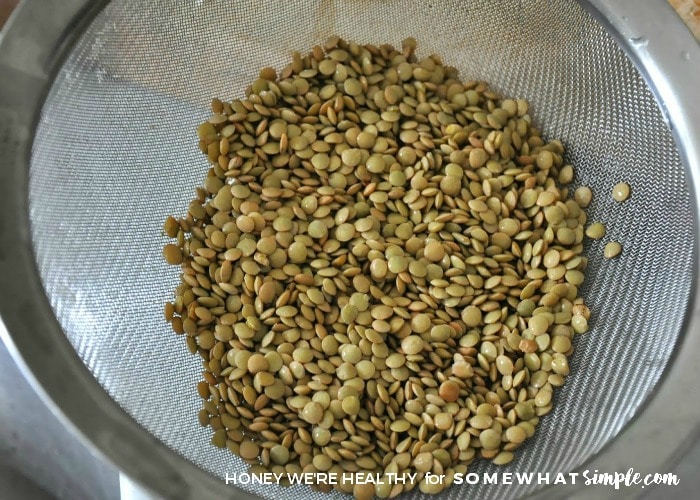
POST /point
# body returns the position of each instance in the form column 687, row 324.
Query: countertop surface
column 41, row 459
column 689, row 10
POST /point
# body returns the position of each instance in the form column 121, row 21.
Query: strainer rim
column 98, row 421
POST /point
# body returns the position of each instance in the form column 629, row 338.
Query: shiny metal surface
column 39, row 458
column 28, row 61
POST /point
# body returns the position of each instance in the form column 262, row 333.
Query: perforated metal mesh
column 116, row 152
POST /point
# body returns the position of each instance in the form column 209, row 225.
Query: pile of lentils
column 381, row 271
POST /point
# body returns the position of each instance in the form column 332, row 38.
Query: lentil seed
column 595, row 231
column 612, row 250
column 621, row 191
column 378, row 255
column 583, row 196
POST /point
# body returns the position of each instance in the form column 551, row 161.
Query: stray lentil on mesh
column 381, row 270
column 612, row 250
column 596, row 231
column 621, row 191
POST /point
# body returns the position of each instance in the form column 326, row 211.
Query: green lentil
column 595, row 231
column 621, row 191
column 412, row 344
column 583, row 196
column 317, row 229
column 374, row 245
column 612, row 250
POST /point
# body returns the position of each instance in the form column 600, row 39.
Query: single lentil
column 595, row 231
column 621, row 191
column 612, row 250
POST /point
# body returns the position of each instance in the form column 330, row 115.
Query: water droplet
column 639, row 41
column 685, row 55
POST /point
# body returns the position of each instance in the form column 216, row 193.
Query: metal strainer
column 98, row 109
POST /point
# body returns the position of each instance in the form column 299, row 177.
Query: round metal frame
column 32, row 47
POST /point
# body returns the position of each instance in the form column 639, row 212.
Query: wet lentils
column 381, row 271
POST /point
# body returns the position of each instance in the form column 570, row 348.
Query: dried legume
column 381, row 272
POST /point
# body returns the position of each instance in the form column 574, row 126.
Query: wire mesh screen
column 116, row 151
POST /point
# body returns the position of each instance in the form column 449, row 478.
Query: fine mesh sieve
column 115, row 152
